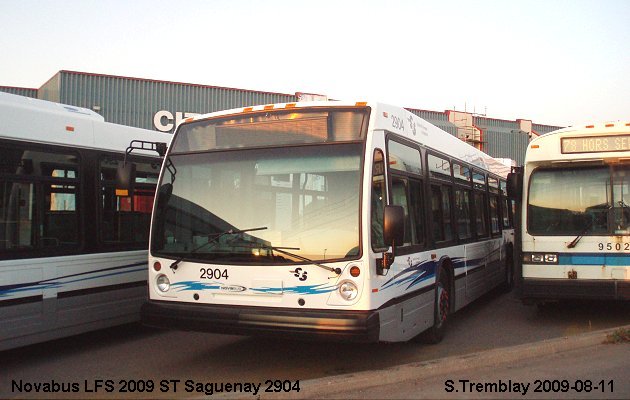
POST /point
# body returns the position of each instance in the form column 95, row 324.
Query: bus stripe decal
column 612, row 259
column 58, row 282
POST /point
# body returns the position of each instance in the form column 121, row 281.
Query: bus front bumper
column 356, row 326
column 588, row 289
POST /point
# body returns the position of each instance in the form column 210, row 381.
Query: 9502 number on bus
column 602, row 246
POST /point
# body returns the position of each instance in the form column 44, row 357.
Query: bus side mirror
column 125, row 177
column 515, row 185
column 393, row 234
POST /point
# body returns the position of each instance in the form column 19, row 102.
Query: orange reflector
column 590, row 126
column 361, row 103
column 535, row 146
column 70, row 128
column 290, row 105
column 628, row 124
column 248, row 109
column 157, row 266
column 609, row 125
column 188, row 119
column 355, row 271
column 122, row 192
column 269, row 107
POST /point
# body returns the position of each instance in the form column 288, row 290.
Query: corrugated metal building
column 160, row 105
column 26, row 92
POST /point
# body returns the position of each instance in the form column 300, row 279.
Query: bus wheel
column 435, row 334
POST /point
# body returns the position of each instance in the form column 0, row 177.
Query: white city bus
column 346, row 221
column 72, row 251
column 576, row 214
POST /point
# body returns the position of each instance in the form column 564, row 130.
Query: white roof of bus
column 408, row 125
column 547, row 147
column 40, row 121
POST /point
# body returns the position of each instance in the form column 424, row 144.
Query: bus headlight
column 163, row 283
column 540, row 258
column 348, row 290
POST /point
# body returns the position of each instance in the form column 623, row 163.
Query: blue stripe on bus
column 613, row 259
column 58, row 282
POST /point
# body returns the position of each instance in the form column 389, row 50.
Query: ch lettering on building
column 165, row 121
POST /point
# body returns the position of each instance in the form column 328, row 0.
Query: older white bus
column 72, row 251
column 340, row 220
column 576, row 214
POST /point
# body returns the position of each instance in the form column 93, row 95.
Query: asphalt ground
column 427, row 379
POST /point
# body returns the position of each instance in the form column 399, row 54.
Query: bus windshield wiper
column 575, row 241
column 213, row 238
column 283, row 250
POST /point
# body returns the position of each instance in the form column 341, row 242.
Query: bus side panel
column 54, row 297
column 405, row 320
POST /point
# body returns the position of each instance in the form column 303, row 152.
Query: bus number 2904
column 213, row 273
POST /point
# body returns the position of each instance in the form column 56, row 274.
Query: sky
column 554, row 62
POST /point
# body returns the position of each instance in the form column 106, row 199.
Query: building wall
column 26, row 92
column 135, row 102
column 160, row 105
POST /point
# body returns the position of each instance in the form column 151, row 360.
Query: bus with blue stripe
column 73, row 249
column 348, row 221
column 576, row 214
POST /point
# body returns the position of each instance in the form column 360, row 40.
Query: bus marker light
column 375, row 290
column 290, row 105
column 535, row 146
column 361, row 103
column 248, row 109
column 269, row 107
column 609, row 125
column 157, row 266
column 122, row 192
column 355, row 271
column 590, row 126
column 70, row 128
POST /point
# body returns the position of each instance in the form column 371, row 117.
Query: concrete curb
column 327, row 386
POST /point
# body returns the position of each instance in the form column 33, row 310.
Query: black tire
column 442, row 309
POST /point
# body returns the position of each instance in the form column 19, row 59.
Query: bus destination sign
column 595, row 144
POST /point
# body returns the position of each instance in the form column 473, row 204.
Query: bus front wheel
column 435, row 334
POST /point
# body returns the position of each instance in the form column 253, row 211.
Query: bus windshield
column 580, row 201
column 306, row 198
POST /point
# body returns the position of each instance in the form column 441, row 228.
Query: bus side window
column 379, row 198
column 441, row 211
column 481, row 213
column 400, row 197
column 494, row 214
column 462, row 207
